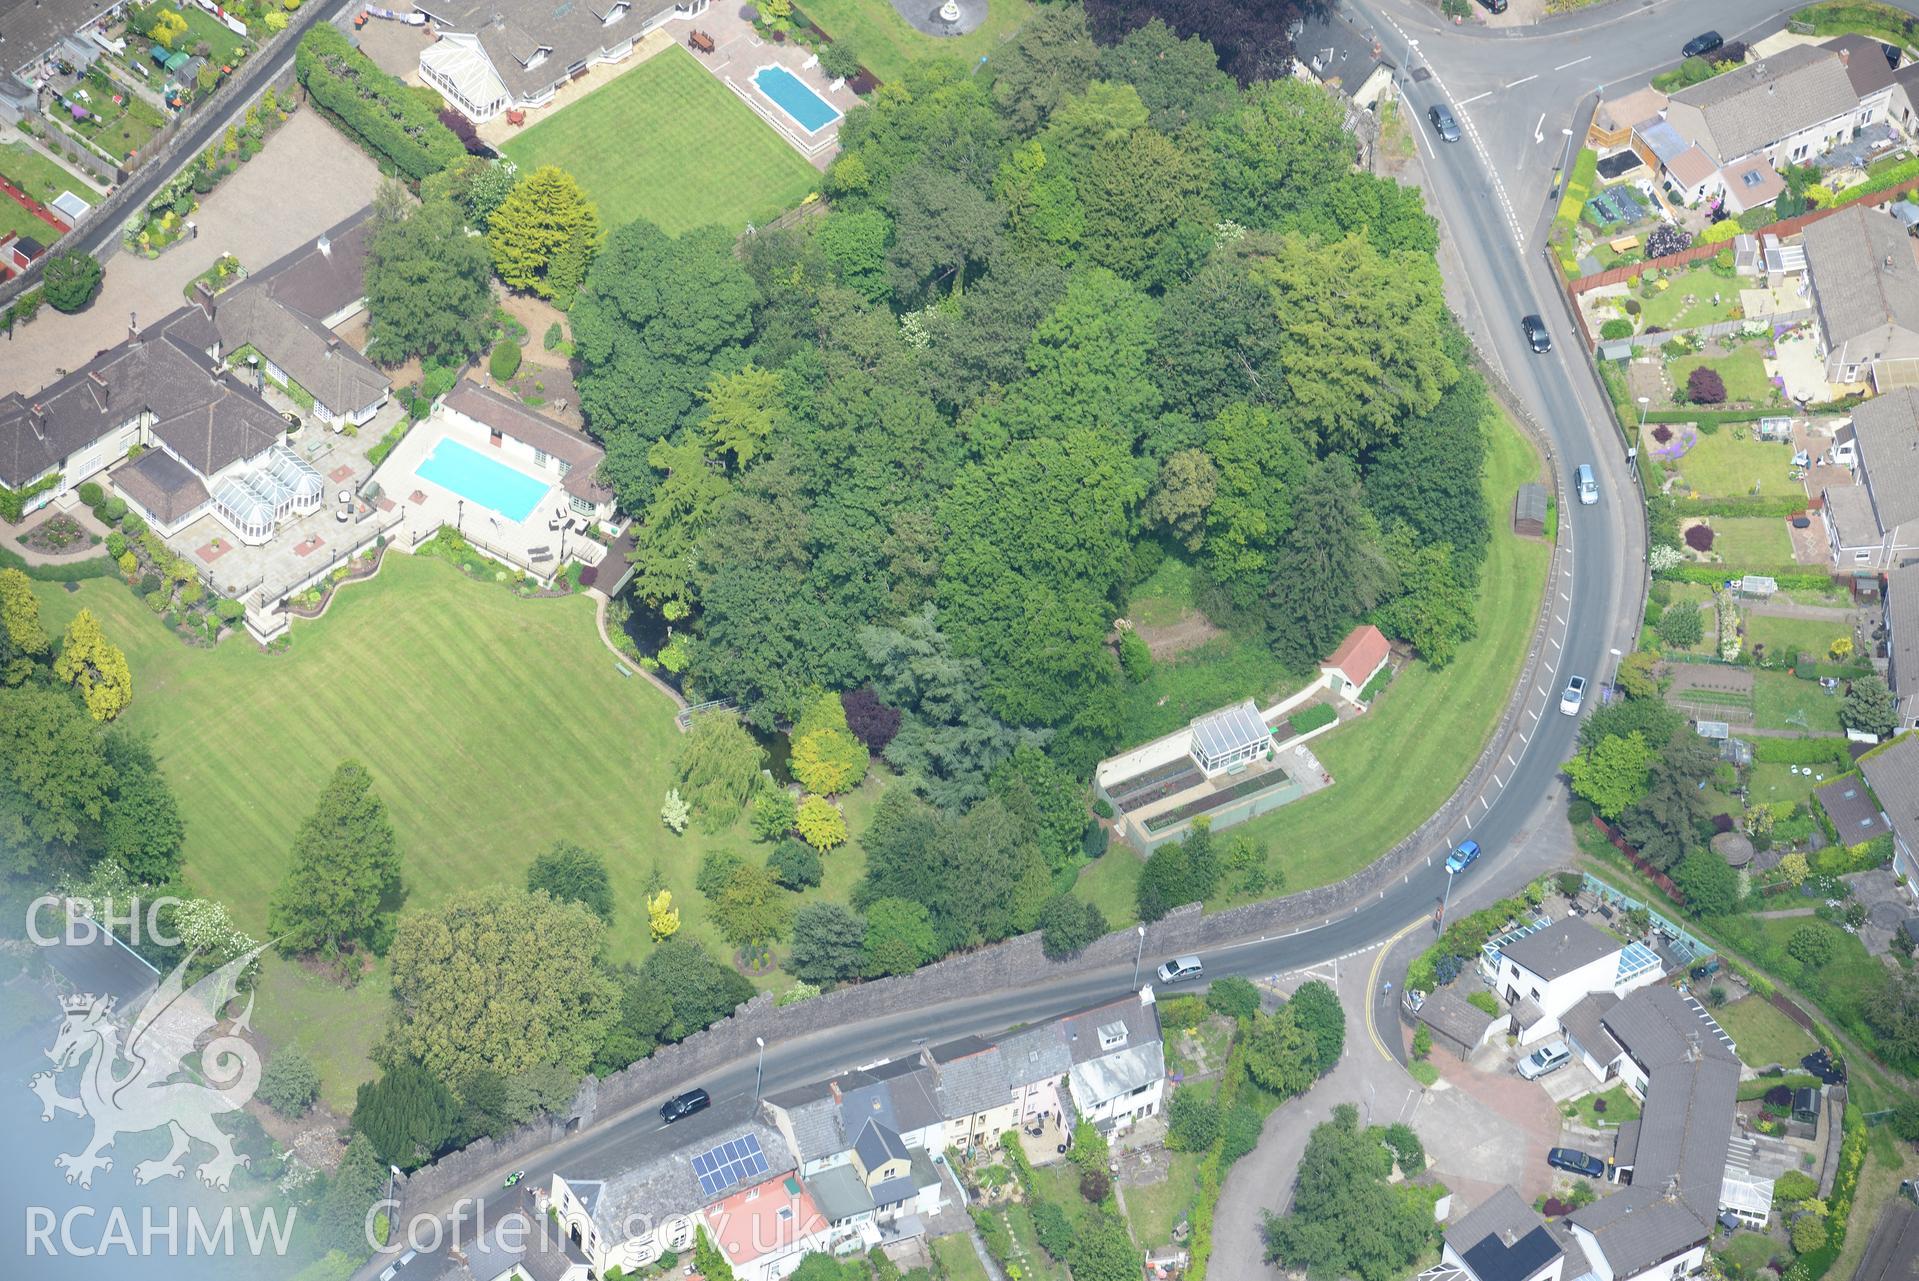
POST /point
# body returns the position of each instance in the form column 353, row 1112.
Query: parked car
column 1536, row 335
column 1702, row 44
column 1575, row 696
column 1573, row 1161
column 1443, row 122
column 1179, row 969
column 1700, row 973
column 1587, row 484
column 1462, row 858
column 681, row 1106
column 1494, row 6
column 1545, row 1060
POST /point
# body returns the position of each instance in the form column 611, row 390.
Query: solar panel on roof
column 729, row 1164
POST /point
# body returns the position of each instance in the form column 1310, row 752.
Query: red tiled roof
column 1360, row 654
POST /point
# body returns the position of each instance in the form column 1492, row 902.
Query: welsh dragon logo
column 132, row 1090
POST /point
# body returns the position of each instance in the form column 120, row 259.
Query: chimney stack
column 38, row 421
column 1845, row 57
column 325, row 245
column 203, row 294
column 97, row 384
column 133, row 325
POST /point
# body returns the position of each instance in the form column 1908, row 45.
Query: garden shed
column 1529, row 510
column 1456, row 1026
column 1758, row 586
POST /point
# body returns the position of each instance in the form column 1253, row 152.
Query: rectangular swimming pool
column 793, row 96
column 479, row 479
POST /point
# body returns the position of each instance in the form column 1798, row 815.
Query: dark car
column 1494, row 6
column 1700, row 973
column 1443, row 122
column 1702, row 44
column 1573, row 1161
column 1536, row 335
column 681, row 1106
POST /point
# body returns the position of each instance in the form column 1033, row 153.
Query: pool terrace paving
column 738, row 52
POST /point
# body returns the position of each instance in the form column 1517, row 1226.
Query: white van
column 1587, row 484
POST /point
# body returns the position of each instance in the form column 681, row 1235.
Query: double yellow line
column 1372, row 987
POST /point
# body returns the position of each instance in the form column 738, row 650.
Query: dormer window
column 614, row 14
column 539, row 56
column 1112, row 1036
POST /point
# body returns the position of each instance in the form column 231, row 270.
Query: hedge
column 1814, row 1264
column 68, row 572
column 1781, row 505
column 378, row 110
column 1759, row 1085
column 1789, row 578
column 1715, row 416
column 1311, row 718
column 1802, row 751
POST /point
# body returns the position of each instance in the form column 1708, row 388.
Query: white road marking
column 1523, row 80
column 1556, row 645
column 1575, row 62
column 1566, row 598
column 1530, row 712
column 1560, row 619
column 1524, row 737
column 1474, row 98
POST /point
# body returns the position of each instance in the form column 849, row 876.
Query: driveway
column 1479, row 1130
column 306, row 179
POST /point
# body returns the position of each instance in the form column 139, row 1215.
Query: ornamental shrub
column 116, row 544
column 505, row 360
column 1699, row 538
column 1616, row 328
column 551, row 338
column 1704, row 386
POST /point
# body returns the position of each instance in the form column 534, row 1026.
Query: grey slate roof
column 282, row 311
column 1446, row 1012
column 230, row 425
column 972, row 1078
column 1625, row 1144
column 839, row 1193
column 1752, row 106
column 1584, row 1023
column 161, row 485
column 877, row 1144
column 651, row 1188
column 1888, row 427
column 1035, row 1054
column 32, row 27
column 1336, row 50
column 512, row 31
column 1685, row 1129
column 1850, row 807
column 1893, row 771
column 1865, row 64
column 1849, row 512
column 894, row 1191
column 509, row 416
column 1503, row 1239
column 814, row 1114
column 1562, row 947
column 1081, row 1030
column 914, row 1094
column 1902, row 619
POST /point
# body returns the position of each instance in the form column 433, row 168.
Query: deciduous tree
column 23, row 641
column 428, row 287
column 1613, row 774
column 719, row 768
column 829, row 944
column 95, row 666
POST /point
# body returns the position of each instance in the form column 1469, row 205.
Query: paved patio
column 425, row 506
column 1799, row 364
column 739, row 52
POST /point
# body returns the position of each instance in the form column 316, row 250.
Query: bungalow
column 287, row 314
column 1786, row 108
column 1875, row 523
column 499, row 55
column 1893, row 772
column 1359, row 658
column 1865, row 287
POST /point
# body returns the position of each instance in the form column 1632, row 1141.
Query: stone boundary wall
column 1015, row 963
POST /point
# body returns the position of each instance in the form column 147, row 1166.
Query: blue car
column 1462, row 858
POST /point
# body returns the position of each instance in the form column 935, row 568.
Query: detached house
column 1865, row 286
column 1544, row 972
column 500, row 55
column 1504, row 1239
column 1875, row 523
column 1902, row 643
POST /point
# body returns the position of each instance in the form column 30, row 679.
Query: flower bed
column 1245, row 787
column 58, row 536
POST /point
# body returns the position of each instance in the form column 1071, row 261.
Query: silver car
column 1548, row 1058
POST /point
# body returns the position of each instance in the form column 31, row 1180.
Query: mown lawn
column 1669, row 308
column 1153, row 1208
column 1760, row 541
column 1621, row 1107
column 227, row 47
column 1744, row 372
column 886, row 43
column 1722, row 465
column 493, row 727
column 1762, row 1034
column 39, row 177
column 1776, row 784
column 1396, row 765
column 1794, row 635
column 1786, row 702
column 668, row 142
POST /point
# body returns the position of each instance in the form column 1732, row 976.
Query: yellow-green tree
column 742, row 410
column 827, row 758
column 96, row 666
column 168, row 28
column 821, row 824
column 22, row 640
column 544, row 235
column 662, row 918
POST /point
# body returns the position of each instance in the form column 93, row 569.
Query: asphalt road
column 97, row 236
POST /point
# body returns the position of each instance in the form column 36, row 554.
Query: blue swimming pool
column 791, row 95
column 479, row 479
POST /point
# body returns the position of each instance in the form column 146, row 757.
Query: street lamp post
column 759, row 1073
column 1138, row 952
column 1632, row 449
column 392, row 1173
column 1447, row 900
